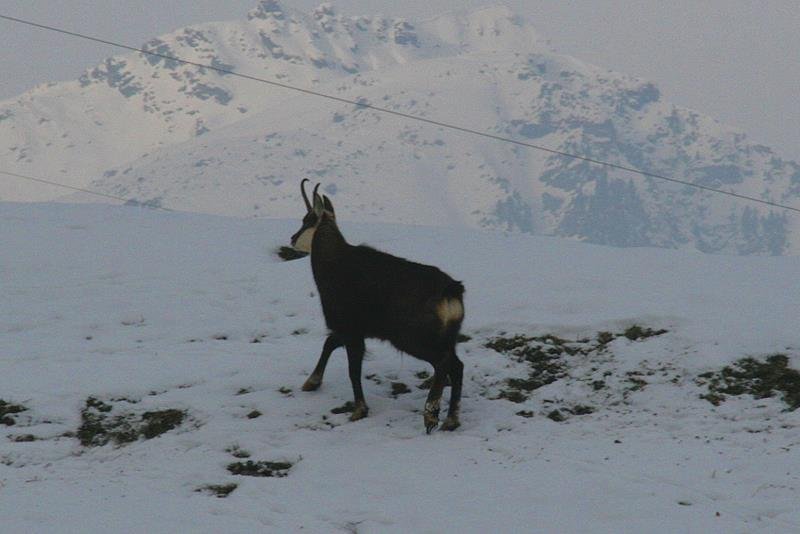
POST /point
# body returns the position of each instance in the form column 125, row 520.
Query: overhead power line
column 80, row 189
column 65, row 186
column 365, row 105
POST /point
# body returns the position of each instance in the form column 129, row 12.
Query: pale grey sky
column 735, row 60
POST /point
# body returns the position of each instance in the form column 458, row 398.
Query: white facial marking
column 303, row 243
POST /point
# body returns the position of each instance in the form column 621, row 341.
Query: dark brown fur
column 366, row 293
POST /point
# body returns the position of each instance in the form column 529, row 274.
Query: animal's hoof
column 360, row 412
column 431, row 421
column 451, row 423
column 431, row 415
column 312, row 384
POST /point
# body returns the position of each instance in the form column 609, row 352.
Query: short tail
column 451, row 311
column 454, row 290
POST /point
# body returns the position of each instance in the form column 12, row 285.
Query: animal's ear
column 319, row 204
column 328, row 204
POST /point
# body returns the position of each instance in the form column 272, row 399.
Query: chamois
column 366, row 293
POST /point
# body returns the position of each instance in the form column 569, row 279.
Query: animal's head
column 316, row 210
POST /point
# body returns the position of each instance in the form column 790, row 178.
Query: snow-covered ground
column 146, row 310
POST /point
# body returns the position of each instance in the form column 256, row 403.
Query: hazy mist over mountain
column 170, row 134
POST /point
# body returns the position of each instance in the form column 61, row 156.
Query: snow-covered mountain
column 190, row 138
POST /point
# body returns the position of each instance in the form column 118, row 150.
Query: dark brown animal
column 366, row 293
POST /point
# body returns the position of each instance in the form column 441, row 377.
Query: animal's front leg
column 355, row 355
column 315, row 379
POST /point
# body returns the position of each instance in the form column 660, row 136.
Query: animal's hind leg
column 431, row 413
column 315, row 379
column 355, row 355
column 456, row 373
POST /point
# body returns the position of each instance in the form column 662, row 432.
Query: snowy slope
column 146, row 310
column 163, row 132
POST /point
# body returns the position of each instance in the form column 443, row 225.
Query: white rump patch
column 450, row 310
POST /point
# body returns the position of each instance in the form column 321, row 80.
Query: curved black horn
column 315, row 195
column 303, row 190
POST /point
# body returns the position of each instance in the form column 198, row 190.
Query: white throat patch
column 303, row 243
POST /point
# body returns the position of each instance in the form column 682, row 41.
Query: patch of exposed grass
column 548, row 358
column 636, row 381
column 581, row 409
column 604, row 338
column 23, row 438
column 505, row 345
column 8, row 411
column 289, row 254
column 560, row 415
column 237, row 452
column 542, row 354
column 633, row 333
column 155, row 423
column 637, row 332
column 254, row 414
column 761, row 379
column 94, row 430
column 260, row 469
column 512, row 395
column 399, row 388
column 218, row 490
column 556, row 416
column 99, row 427
column 347, row 407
